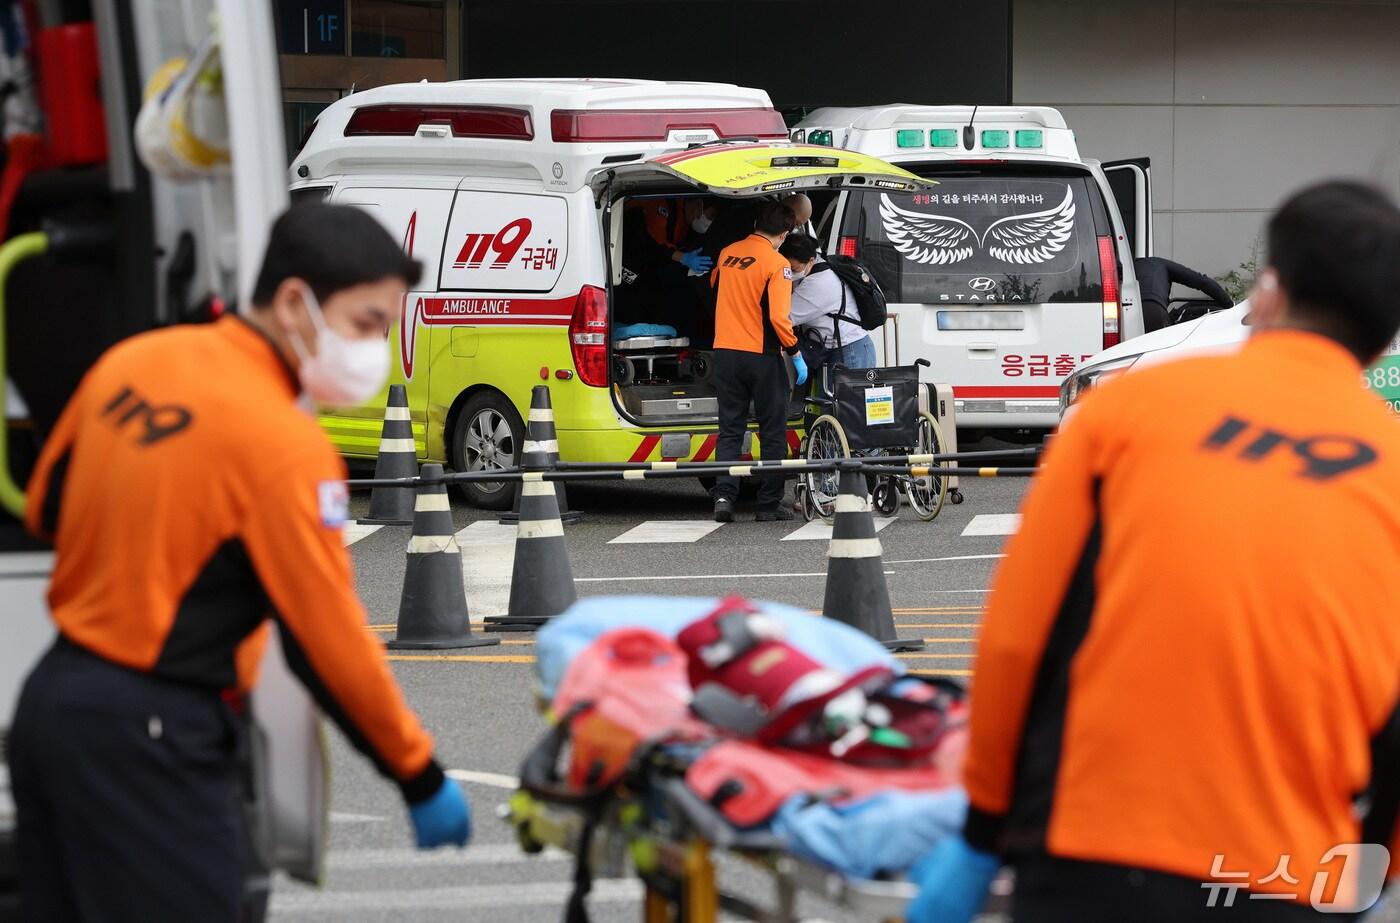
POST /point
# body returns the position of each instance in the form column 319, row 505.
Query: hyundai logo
column 982, row 284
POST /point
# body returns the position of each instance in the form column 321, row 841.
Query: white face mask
column 343, row 371
column 702, row 223
column 799, row 275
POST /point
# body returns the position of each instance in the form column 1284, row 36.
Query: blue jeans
column 857, row 355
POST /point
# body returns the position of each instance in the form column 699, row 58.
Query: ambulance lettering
column 501, row 246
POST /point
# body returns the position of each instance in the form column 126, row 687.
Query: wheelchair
column 869, row 413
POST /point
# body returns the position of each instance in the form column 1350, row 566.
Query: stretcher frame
column 669, row 837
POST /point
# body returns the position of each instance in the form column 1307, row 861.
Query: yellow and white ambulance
column 517, row 197
column 1015, row 268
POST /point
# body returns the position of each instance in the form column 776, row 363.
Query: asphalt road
column 483, row 713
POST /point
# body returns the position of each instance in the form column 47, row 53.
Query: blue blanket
column 830, row 643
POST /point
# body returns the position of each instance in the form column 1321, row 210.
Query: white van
column 1015, row 268
column 523, row 199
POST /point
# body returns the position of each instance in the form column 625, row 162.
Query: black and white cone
column 541, row 580
column 393, row 506
column 541, row 453
column 433, row 607
column 855, row 574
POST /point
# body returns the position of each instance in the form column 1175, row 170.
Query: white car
column 1221, row 331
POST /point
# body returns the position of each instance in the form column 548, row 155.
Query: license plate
column 981, row 320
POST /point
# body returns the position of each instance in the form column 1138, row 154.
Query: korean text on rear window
column 987, row 239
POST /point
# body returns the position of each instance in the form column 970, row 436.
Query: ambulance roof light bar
column 609, row 125
column 501, row 122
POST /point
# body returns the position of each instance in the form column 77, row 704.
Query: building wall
column 1237, row 103
column 805, row 53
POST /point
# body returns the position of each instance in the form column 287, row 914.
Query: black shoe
column 780, row 514
column 724, row 510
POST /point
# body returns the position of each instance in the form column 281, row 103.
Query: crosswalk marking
column 993, row 524
column 488, row 555
column 666, row 531
column 353, row 531
column 299, row 900
column 818, row 531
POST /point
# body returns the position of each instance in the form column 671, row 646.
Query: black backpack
column 870, row 299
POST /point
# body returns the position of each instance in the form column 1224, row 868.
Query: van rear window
column 997, row 239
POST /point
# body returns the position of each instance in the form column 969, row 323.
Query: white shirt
column 818, row 296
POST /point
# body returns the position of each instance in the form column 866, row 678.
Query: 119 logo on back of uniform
column 1324, row 456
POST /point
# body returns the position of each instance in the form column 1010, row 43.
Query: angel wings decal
column 941, row 241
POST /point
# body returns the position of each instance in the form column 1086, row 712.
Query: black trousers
column 127, row 793
column 742, row 377
column 1050, row 890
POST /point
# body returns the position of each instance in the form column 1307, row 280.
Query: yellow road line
column 467, row 658
column 950, row 640
column 940, row 672
column 936, row 610
column 935, row 656
column 936, row 625
column 381, row 627
column 504, row 641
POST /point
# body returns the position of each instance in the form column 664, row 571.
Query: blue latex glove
column 799, row 365
column 442, row 819
column 696, row 261
column 953, row 882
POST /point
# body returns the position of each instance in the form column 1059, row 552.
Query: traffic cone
column 855, row 575
column 541, row 453
column 541, row 580
column 433, row 607
column 393, row 506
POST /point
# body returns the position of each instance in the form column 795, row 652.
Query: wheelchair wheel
column 926, row 494
column 825, row 441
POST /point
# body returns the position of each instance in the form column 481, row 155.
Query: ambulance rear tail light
column 1108, row 275
column 588, row 336
column 601, row 125
column 464, row 121
column 846, row 246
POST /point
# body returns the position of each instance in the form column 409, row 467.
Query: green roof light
column 1030, row 137
column 909, row 137
column 819, row 136
column 943, row 137
column 996, row 139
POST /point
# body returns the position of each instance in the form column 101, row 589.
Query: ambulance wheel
column 488, row 436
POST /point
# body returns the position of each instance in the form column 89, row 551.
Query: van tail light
column 1108, row 275
column 588, row 336
column 846, row 246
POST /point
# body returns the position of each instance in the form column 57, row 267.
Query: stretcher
column 640, row 775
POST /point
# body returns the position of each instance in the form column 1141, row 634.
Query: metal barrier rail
column 743, row 470
column 708, row 466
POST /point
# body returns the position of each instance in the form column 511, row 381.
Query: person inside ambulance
column 1219, row 738
column 661, row 247
column 194, row 503
column 822, row 306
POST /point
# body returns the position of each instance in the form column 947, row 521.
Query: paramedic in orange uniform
column 194, row 504
column 1189, row 673
column 753, row 291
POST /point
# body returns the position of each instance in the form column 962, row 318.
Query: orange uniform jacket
column 754, row 295
column 1192, row 648
column 190, row 499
